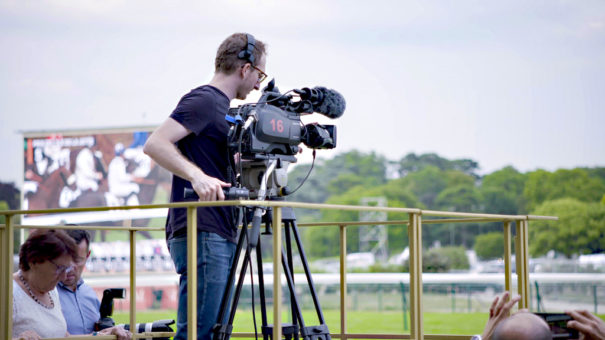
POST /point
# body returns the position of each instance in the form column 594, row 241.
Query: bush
column 440, row 260
column 386, row 268
column 489, row 246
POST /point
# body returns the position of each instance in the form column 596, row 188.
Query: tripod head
column 253, row 173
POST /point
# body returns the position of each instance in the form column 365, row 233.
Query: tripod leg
column 220, row 330
column 290, row 280
column 227, row 293
column 240, row 284
column 303, row 258
column 288, row 244
column 261, row 288
column 321, row 331
column 223, row 331
column 290, row 331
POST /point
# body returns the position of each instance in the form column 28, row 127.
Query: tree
column 598, row 172
column 426, row 184
column 337, row 175
column 507, row 178
column 465, row 198
column 429, row 181
column 3, row 206
column 498, row 201
column 324, row 241
column 502, row 191
column 412, row 163
column 579, row 230
column 459, row 198
column 344, row 182
column 10, row 194
column 456, row 177
column 465, row 165
column 490, row 245
column 9, row 199
column 543, row 186
column 535, row 190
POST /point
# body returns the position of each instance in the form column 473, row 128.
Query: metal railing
column 414, row 225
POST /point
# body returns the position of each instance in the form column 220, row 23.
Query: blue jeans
column 214, row 259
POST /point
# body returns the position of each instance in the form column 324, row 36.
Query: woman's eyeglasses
column 61, row 268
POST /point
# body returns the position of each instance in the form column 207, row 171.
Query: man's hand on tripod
column 209, row 188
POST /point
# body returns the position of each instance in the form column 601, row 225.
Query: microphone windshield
column 333, row 104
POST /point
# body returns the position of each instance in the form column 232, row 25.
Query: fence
column 414, row 224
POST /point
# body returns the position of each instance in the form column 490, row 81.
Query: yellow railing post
column 526, row 256
column 192, row 273
column 415, row 261
column 343, row 281
column 7, row 284
column 3, row 282
column 522, row 261
column 518, row 262
column 133, row 280
column 277, row 293
column 507, row 257
column 525, row 252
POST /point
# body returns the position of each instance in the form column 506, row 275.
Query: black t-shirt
column 202, row 111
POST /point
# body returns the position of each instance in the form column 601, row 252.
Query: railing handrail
column 423, row 212
column 414, row 226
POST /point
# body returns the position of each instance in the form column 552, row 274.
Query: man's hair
column 43, row 245
column 227, row 60
column 522, row 326
column 78, row 235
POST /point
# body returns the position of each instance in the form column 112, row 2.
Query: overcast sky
column 518, row 83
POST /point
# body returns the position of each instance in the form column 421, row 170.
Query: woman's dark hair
column 43, row 245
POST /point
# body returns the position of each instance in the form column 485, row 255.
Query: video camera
column 271, row 131
column 272, row 126
column 106, row 310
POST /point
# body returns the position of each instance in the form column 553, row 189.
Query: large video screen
column 91, row 170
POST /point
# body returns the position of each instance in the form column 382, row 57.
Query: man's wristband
column 477, row 337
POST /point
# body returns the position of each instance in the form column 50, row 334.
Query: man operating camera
column 192, row 144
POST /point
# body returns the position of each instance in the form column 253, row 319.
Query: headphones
column 248, row 53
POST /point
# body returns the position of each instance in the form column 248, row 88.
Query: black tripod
column 289, row 330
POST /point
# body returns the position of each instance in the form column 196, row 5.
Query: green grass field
column 358, row 321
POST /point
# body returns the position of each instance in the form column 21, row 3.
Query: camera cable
column 307, row 176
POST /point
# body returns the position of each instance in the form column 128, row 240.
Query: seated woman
column 44, row 259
